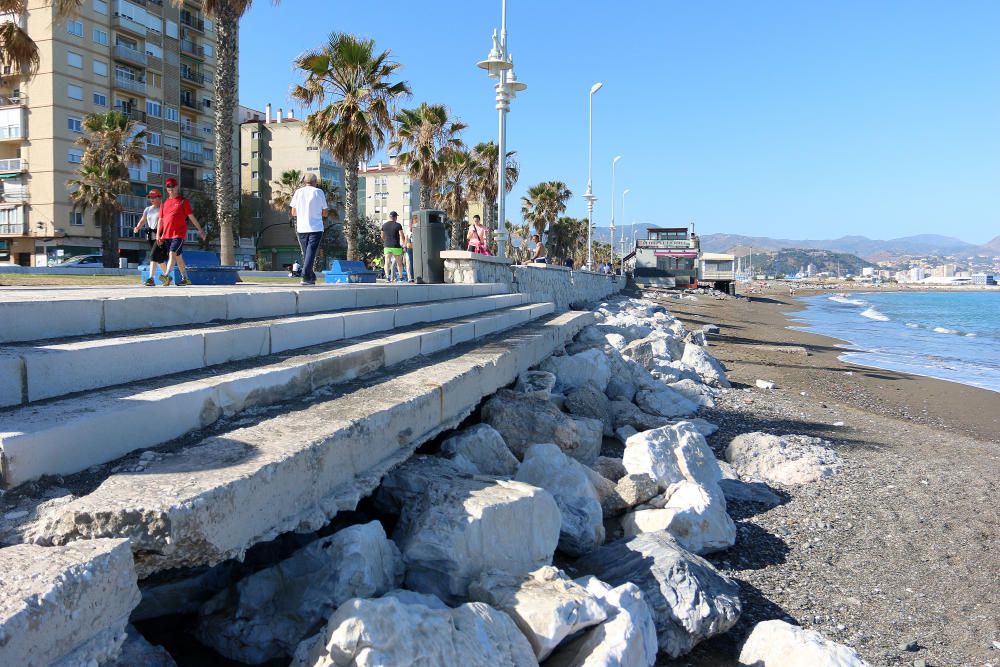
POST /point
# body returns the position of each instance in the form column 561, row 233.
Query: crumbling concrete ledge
column 297, row 470
column 65, row 605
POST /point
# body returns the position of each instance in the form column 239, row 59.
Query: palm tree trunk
column 227, row 26
column 109, row 239
column 351, row 208
column 426, row 197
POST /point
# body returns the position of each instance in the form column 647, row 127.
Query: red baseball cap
column 154, row 193
column 171, row 183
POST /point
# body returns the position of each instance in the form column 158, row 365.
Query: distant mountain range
column 862, row 246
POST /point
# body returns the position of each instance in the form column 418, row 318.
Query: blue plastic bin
column 203, row 268
column 344, row 271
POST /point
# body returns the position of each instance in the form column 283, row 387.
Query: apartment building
column 147, row 58
column 269, row 146
column 385, row 187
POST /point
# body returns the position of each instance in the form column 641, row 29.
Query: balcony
column 132, row 55
column 132, row 114
column 13, row 193
column 13, row 164
column 192, row 21
column 128, row 24
column 196, row 77
column 13, row 100
column 11, row 133
column 192, row 156
column 132, row 203
column 126, row 230
column 135, row 85
column 15, row 229
column 192, row 49
column 189, row 102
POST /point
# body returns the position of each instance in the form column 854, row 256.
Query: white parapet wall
column 544, row 282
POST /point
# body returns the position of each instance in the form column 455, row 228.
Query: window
column 316, row 148
column 256, row 174
column 76, row 218
column 154, row 50
column 153, row 109
column 208, row 154
column 153, row 138
column 256, row 134
column 75, row 156
column 75, row 28
column 100, row 7
column 171, row 29
column 74, row 124
column 155, row 165
column 100, row 99
column 101, row 37
column 171, row 142
column 171, row 169
column 74, row 60
column 74, row 92
column 256, row 154
column 172, row 114
column 208, row 50
column 100, row 69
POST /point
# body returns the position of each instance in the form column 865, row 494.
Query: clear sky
column 774, row 118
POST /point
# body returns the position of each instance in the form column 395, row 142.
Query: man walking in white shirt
column 309, row 209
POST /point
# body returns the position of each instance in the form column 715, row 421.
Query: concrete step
column 65, row 436
column 28, row 314
column 38, row 371
column 65, row 605
column 296, row 467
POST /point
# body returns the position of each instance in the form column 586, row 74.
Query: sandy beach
column 895, row 556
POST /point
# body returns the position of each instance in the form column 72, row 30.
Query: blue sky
column 786, row 119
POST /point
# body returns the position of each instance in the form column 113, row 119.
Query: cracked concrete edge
column 179, row 514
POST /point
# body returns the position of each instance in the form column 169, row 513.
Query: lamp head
column 615, row 161
column 626, row 192
column 495, row 62
column 597, row 86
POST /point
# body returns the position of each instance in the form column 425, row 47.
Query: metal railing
column 19, row 99
column 130, row 24
column 134, row 85
column 14, row 194
column 191, row 156
column 15, row 229
column 189, row 103
column 14, row 164
column 193, row 21
column 138, row 116
column 192, row 48
column 132, row 203
column 128, row 53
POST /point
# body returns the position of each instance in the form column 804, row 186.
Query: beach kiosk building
column 667, row 257
column 718, row 269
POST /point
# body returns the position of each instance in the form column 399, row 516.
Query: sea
column 946, row 335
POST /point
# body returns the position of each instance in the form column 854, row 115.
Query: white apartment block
column 146, row 58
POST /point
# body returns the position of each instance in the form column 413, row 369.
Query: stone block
column 435, row 341
column 325, row 299
column 399, row 348
column 383, row 295
column 462, row 332
column 233, row 344
column 413, row 293
column 298, row 332
column 407, row 316
column 144, row 312
column 34, row 320
column 11, row 380
column 251, row 305
column 364, row 322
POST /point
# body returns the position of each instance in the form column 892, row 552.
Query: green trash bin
column 429, row 238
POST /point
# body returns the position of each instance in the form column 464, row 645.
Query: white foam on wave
column 844, row 299
column 945, row 330
column 970, row 335
column 873, row 314
column 913, row 325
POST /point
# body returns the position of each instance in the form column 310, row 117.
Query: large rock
column 265, row 616
column 65, row 605
column 481, row 450
column 670, row 454
column 696, row 392
column 582, row 527
column 694, row 514
column 655, row 348
column 571, row 371
column 665, row 403
column 524, row 421
column 779, row 644
column 636, row 489
column 620, row 389
column 456, row 526
column 136, row 651
column 391, row 631
column 758, row 493
column 625, row 413
column 786, row 459
column 609, row 467
column 547, row 605
column 708, row 367
column 587, row 401
column 689, row 599
column 626, row 639
column 536, row 383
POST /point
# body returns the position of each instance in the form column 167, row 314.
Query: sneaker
column 183, row 282
column 164, row 279
column 308, row 282
column 149, row 282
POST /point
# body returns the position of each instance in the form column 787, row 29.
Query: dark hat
column 171, row 183
column 393, row 214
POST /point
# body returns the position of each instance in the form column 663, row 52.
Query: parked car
column 81, row 261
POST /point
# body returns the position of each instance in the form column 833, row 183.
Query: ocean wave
column 945, row 330
column 970, row 335
column 844, row 299
column 913, row 325
column 873, row 314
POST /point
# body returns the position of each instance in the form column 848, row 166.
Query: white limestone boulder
column 524, row 421
column 757, row 493
column 693, row 514
column 536, row 383
column 620, row 389
column 65, row 605
column 707, row 366
column 545, row 604
column 665, row 403
column 391, row 631
column 582, row 519
column 703, row 426
column 658, row 347
column 626, row 639
column 452, row 528
column 481, row 450
column 636, row 489
column 623, row 433
column 671, row 454
column 689, row 599
column 264, row 616
column 786, row 459
column 780, row 644
column 696, row 392
column 571, row 371
column 625, row 413
column 587, row 401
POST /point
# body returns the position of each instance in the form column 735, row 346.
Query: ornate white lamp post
column 613, row 164
column 589, row 194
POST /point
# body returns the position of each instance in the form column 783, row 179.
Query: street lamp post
column 589, row 195
column 624, row 193
column 613, row 164
column 500, row 66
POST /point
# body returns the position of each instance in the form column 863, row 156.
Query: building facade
column 269, row 146
column 149, row 59
column 387, row 187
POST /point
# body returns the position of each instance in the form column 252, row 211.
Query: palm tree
column 453, row 198
column 544, row 203
column 111, row 144
column 17, row 50
column 355, row 84
column 283, row 189
column 483, row 177
column 227, row 14
column 566, row 237
column 427, row 143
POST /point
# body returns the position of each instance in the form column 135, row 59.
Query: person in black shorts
column 151, row 220
column 392, row 244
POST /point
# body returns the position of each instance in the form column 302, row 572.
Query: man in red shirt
column 174, row 214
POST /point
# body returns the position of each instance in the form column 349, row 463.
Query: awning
column 10, row 174
column 668, row 253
